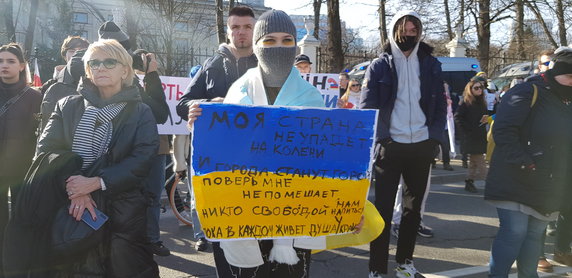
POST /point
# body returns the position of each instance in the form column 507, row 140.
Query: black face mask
column 408, row 44
column 562, row 91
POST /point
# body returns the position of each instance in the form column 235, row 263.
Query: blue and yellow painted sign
column 272, row 172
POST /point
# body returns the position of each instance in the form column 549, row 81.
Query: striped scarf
column 93, row 133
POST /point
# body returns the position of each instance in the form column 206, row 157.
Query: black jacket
column 474, row 134
column 541, row 135
column 214, row 78
column 134, row 143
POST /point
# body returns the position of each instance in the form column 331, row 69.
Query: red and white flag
column 37, row 81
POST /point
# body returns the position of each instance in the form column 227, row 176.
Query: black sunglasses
column 355, row 85
column 107, row 63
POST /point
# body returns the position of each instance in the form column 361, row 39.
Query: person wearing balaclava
column 529, row 176
column 274, row 82
column 405, row 84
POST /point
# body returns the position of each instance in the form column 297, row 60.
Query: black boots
column 470, row 186
column 447, row 166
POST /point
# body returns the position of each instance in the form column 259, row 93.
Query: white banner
column 174, row 88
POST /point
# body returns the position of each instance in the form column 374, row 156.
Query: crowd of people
column 87, row 143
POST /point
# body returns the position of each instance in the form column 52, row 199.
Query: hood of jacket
column 225, row 51
column 91, row 94
column 392, row 44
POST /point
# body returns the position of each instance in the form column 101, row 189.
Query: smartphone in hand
column 100, row 219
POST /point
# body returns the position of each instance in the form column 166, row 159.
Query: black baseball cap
column 302, row 58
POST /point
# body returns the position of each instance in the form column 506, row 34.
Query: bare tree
column 220, row 21
column 448, row 19
column 335, row 52
column 32, row 18
column 8, row 9
column 561, row 22
column 532, row 5
column 519, row 19
column 132, row 18
column 382, row 23
column 317, row 4
column 170, row 34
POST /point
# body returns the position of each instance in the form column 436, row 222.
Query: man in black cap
column 303, row 63
column 154, row 96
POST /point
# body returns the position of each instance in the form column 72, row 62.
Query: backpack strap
column 534, row 95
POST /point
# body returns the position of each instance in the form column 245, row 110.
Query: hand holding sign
column 194, row 112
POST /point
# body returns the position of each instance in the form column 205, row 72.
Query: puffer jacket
column 134, row 142
column 214, row 78
column 539, row 136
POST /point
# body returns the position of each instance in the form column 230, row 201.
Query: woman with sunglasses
column 471, row 117
column 109, row 127
column 352, row 96
column 19, row 105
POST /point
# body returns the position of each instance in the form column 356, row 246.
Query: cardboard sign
column 274, row 172
column 327, row 84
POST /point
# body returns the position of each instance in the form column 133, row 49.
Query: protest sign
column 272, row 172
column 327, row 84
column 174, row 88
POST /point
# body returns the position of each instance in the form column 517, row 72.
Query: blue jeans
column 518, row 238
column 154, row 184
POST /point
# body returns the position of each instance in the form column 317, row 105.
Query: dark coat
column 474, row 134
column 541, row 135
column 18, row 133
column 380, row 92
column 214, row 78
column 134, row 142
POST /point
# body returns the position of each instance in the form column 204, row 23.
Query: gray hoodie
column 408, row 122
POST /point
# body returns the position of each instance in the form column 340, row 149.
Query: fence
column 350, row 59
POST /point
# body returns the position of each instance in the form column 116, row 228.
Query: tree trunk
column 230, row 5
column 519, row 5
column 7, row 7
column 131, row 24
column 382, row 23
column 448, row 20
column 484, row 33
column 461, row 22
column 220, row 22
column 561, row 23
column 534, row 8
column 317, row 6
column 29, row 40
column 335, row 37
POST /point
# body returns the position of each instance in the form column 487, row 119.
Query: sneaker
column 424, row 231
column 395, row 230
column 374, row 274
column 544, row 265
column 447, row 167
column 202, row 244
column 407, row 270
column 159, row 249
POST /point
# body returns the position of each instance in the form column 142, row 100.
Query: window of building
column 80, row 17
column 181, row 26
column 82, row 33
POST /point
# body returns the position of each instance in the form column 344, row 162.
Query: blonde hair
column 471, row 99
column 346, row 95
column 116, row 51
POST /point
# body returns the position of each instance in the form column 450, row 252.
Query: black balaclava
column 562, row 64
column 408, row 44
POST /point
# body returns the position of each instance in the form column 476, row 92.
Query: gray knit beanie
column 273, row 21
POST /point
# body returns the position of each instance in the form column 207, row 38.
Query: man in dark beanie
column 110, row 30
column 154, row 96
column 274, row 82
column 529, row 176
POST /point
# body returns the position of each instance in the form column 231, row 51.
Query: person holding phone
column 108, row 122
column 471, row 117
